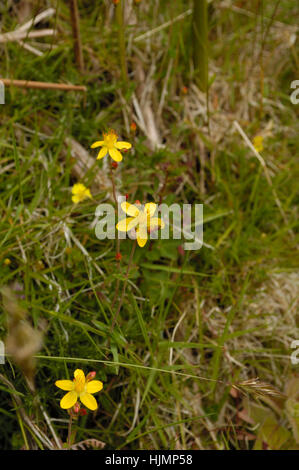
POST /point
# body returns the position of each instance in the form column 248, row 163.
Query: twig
column 31, row 49
column 38, row 18
column 17, row 35
column 48, row 421
column 42, row 85
column 75, row 20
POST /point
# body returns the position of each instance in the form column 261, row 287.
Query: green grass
column 192, row 323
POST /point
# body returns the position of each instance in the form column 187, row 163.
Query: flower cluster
column 142, row 221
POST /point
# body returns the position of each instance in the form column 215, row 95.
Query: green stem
column 117, row 238
column 200, row 42
column 121, row 40
column 69, row 435
column 124, row 286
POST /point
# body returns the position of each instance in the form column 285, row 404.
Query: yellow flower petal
column 141, row 234
column 65, row 384
column 79, row 375
column 122, row 145
column 78, row 188
column 88, row 400
column 115, row 155
column 129, row 209
column 76, row 199
column 80, row 192
column 102, row 153
column 99, row 143
column 69, row 400
column 94, row 386
column 150, row 208
column 127, row 224
column 88, row 193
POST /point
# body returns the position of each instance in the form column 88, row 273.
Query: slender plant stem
column 121, row 40
column 75, row 19
column 124, row 286
column 69, row 435
column 117, row 238
column 200, row 42
column 22, row 429
column 262, row 86
column 41, row 85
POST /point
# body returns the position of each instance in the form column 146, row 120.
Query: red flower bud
column 90, row 376
column 133, row 126
column 118, row 256
column 76, row 407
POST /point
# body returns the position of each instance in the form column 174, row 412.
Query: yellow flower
column 258, row 143
column 79, row 193
column 81, row 387
column 111, row 145
column 140, row 219
column 7, row 262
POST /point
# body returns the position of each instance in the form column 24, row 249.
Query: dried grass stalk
column 257, row 388
column 75, row 20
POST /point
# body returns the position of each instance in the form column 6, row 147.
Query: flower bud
column 90, row 376
column 133, row 126
column 76, row 407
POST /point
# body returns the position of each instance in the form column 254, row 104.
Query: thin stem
column 117, row 238
column 69, row 435
column 121, row 40
column 75, row 19
column 22, row 429
column 115, row 201
column 41, row 85
column 124, row 286
column 200, row 42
